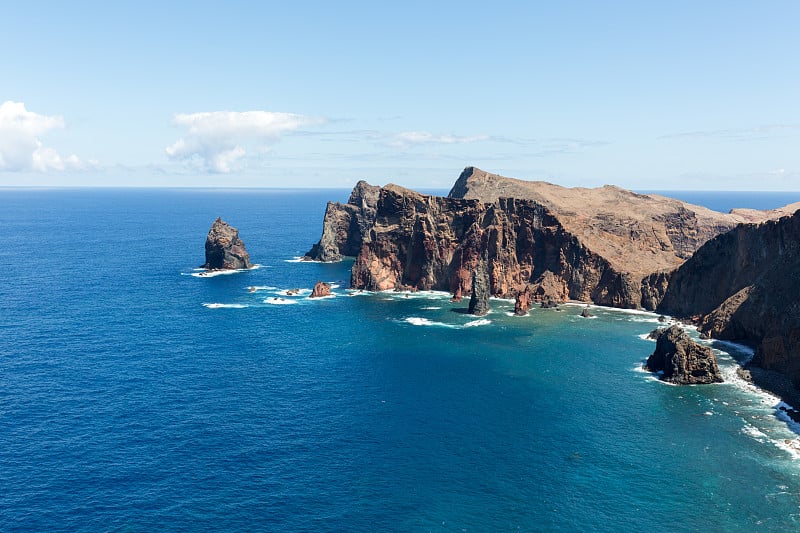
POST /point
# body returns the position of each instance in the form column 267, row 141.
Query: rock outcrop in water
column 224, row 249
column 744, row 285
column 320, row 289
column 607, row 245
column 479, row 301
column 522, row 301
column 681, row 360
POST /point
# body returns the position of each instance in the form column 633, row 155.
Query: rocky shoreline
column 733, row 275
column 776, row 384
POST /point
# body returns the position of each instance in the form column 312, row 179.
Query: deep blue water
column 724, row 201
column 126, row 404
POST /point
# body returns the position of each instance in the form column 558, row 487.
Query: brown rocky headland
column 734, row 274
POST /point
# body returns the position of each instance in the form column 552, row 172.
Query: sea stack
column 682, row 360
column 522, row 302
column 320, row 289
column 224, row 249
column 479, row 301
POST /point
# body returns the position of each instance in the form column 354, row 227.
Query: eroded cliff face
column 744, row 285
column 345, row 225
column 429, row 242
column 607, row 245
column 636, row 233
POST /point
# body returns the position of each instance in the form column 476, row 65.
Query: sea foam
column 203, row 273
column 279, row 301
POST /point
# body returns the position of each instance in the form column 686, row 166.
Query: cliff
column 606, row 245
column 744, row 285
column 224, row 249
column 345, row 225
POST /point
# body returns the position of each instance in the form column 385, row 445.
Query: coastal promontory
column 224, row 249
column 607, row 245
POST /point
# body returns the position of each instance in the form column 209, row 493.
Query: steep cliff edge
column 744, row 285
column 606, row 245
column 431, row 242
column 636, row 233
column 345, row 225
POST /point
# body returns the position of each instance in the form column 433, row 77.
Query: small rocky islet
column 224, row 249
column 680, row 360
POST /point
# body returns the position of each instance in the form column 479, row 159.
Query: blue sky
column 645, row 95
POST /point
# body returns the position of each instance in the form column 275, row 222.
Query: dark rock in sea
column 522, row 302
column 479, row 301
column 224, row 249
column 662, row 318
column 682, row 360
column 320, row 289
column 549, row 303
column 586, row 313
column 292, row 292
column 743, row 285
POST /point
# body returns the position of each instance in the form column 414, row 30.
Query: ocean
column 136, row 395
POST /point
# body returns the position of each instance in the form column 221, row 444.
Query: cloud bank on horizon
column 21, row 148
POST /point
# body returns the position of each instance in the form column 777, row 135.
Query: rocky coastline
column 734, row 275
column 743, row 286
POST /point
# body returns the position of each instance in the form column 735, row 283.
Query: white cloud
column 20, row 146
column 415, row 138
column 218, row 138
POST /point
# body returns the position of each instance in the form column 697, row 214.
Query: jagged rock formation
column 522, row 301
column 320, row 289
column 224, row 249
column 606, row 245
column 345, row 225
column 479, row 301
column 682, row 360
column 549, row 303
column 744, row 285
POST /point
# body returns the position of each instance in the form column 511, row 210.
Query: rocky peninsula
column 734, row 274
column 606, row 245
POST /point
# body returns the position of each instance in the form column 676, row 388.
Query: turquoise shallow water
column 137, row 397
